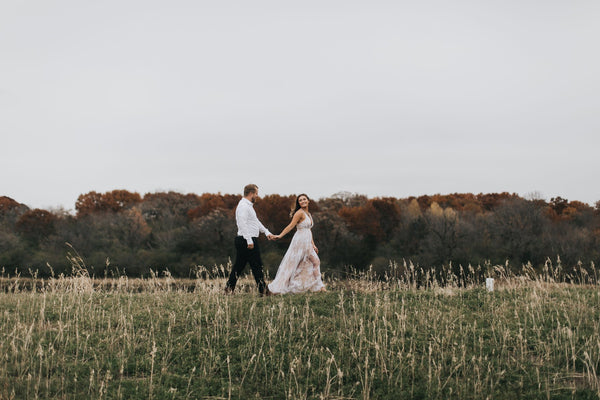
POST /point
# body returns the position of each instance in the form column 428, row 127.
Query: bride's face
column 303, row 201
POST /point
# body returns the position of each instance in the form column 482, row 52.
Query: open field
column 158, row 339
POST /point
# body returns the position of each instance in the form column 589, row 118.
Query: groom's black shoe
column 267, row 292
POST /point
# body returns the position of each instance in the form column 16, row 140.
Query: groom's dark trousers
column 243, row 256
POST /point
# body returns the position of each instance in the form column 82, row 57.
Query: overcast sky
column 382, row 98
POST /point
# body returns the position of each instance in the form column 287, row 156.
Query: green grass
column 528, row 339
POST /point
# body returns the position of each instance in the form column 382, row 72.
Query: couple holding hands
column 299, row 270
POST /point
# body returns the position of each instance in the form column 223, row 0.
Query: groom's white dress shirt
column 247, row 222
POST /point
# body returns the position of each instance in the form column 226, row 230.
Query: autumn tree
column 36, row 224
column 388, row 213
column 338, row 246
column 213, row 234
column 444, row 229
column 10, row 210
column 88, row 203
column 13, row 252
column 374, row 221
column 407, row 240
column 231, row 200
column 115, row 200
column 132, row 229
column 168, row 216
column 560, row 209
column 274, row 211
column 342, row 199
column 556, row 207
column 171, row 206
column 167, row 213
column 363, row 220
column 7, row 204
column 208, row 203
column 520, row 231
column 118, row 200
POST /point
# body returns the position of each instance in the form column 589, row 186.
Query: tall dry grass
column 404, row 336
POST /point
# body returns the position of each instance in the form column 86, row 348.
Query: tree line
column 121, row 232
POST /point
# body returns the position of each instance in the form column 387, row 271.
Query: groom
column 246, row 242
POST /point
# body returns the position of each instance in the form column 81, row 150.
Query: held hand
column 271, row 237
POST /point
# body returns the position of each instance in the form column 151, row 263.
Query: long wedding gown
column 299, row 270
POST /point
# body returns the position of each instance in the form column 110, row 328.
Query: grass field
column 74, row 338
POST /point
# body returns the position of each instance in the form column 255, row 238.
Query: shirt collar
column 247, row 201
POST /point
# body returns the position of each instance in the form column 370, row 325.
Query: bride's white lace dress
column 299, row 270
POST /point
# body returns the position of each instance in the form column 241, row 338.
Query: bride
column 299, row 270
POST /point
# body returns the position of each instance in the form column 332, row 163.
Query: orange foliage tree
column 115, row 200
column 274, row 211
column 562, row 209
column 8, row 204
column 376, row 219
column 36, row 224
column 209, row 202
column 118, row 200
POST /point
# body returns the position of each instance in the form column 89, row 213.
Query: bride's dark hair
column 296, row 205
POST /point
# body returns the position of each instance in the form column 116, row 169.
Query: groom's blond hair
column 251, row 188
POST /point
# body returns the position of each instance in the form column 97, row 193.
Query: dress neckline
column 309, row 216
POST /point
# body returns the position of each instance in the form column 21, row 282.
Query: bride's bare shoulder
column 299, row 215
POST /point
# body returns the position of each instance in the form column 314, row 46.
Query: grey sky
column 383, row 98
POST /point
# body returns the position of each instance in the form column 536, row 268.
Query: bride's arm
column 297, row 219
